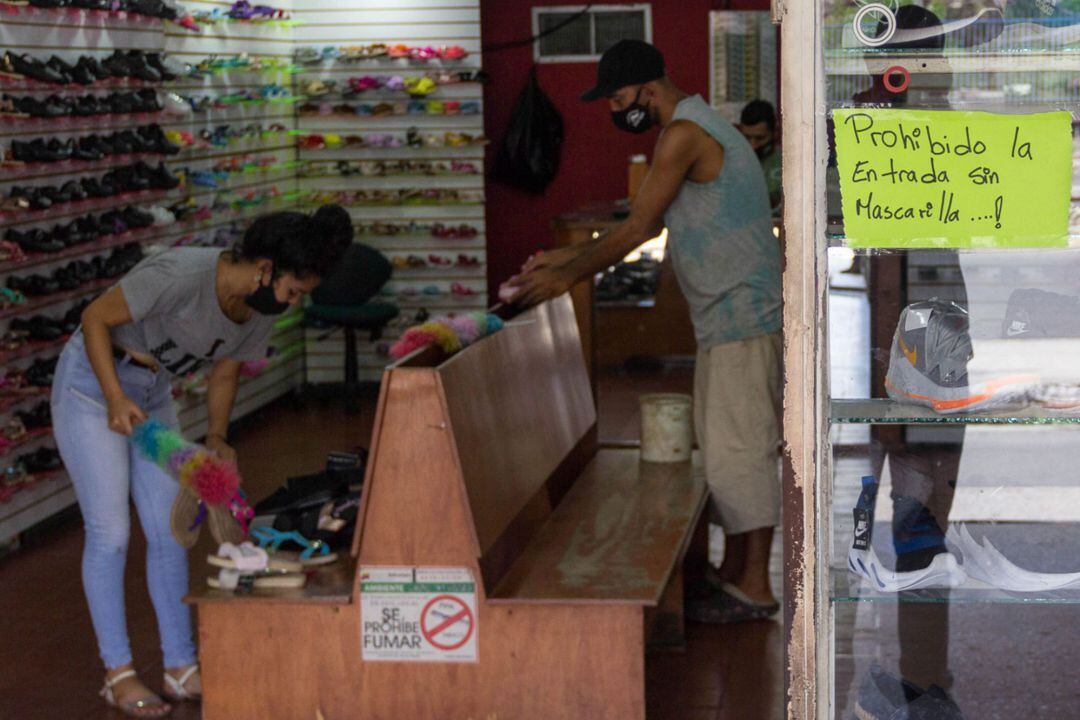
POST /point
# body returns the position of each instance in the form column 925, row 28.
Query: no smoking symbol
column 446, row 622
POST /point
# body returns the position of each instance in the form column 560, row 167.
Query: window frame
column 538, row 10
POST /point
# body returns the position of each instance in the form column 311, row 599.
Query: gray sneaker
column 887, row 697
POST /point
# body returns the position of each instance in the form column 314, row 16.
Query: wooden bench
column 488, row 461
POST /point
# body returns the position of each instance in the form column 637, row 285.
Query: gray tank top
column 721, row 240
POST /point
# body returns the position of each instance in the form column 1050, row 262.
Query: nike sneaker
column 928, row 364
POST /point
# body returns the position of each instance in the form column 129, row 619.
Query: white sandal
column 132, row 709
column 176, row 688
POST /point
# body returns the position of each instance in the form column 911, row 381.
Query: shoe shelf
column 140, row 236
column 31, row 394
column 76, row 17
column 21, row 84
column 46, row 495
column 881, row 411
column 68, row 123
column 845, row 587
column 33, row 350
column 16, row 171
column 18, row 447
column 90, row 205
column 40, row 303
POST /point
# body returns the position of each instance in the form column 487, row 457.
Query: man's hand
column 557, row 258
column 542, row 284
column 217, row 445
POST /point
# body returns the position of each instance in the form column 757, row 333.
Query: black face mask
column 635, row 118
column 264, row 302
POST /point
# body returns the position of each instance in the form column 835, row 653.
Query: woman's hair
column 297, row 243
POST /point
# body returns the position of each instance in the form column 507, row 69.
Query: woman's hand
column 217, row 445
column 124, row 414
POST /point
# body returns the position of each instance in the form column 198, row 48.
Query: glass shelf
column 857, row 61
column 881, row 411
column 845, row 587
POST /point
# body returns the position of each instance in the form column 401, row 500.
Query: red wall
column 595, row 154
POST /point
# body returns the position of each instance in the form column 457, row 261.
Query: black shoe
column 91, row 4
column 136, row 218
column 65, row 279
column 74, row 191
column 34, row 196
column 158, row 178
column 97, row 188
column 91, row 66
column 146, row 100
column 87, row 106
column 154, row 61
column 88, row 227
column 64, row 69
column 135, row 141
column 35, row 151
column 40, row 374
column 39, row 417
column 38, row 327
column 33, row 241
column 44, row 459
column 127, row 179
column 50, row 4
column 69, row 234
column 34, row 69
column 121, row 103
column 89, row 148
column 156, row 141
column 83, row 72
column 33, row 285
column 56, row 106
column 73, row 317
column 117, row 145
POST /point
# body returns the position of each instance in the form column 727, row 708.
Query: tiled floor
column 49, row 668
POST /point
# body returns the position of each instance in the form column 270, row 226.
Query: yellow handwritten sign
column 921, row 178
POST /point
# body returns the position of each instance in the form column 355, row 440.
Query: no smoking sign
column 411, row 614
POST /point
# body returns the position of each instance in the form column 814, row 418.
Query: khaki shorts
column 737, row 411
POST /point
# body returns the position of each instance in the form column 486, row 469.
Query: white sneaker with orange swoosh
column 928, row 364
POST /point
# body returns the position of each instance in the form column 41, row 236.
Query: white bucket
column 667, row 427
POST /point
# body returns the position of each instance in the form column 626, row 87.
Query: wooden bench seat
column 485, row 462
column 617, row 536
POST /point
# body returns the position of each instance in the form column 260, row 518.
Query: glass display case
column 932, row 323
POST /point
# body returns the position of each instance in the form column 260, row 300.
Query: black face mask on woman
column 264, row 302
column 634, row 118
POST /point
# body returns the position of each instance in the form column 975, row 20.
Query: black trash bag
column 528, row 156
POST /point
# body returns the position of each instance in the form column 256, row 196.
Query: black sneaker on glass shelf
column 38, row 327
column 40, row 416
column 41, row 460
column 64, row 69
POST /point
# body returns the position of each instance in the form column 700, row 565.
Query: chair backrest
column 362, row 272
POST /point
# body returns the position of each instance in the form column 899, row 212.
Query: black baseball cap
column 627, row 62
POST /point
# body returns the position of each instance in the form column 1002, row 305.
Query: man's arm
column 676, row 152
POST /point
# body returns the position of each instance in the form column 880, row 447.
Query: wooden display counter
column 485, row 462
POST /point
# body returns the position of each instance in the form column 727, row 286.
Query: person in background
column 758, row 126
column 706, row 187
column 177, row 311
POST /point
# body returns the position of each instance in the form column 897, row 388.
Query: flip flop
column 314, row 552
column 728, row 604
column 248, row 558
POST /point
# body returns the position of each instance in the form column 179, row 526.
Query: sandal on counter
column 248, row 558
column 148, row 707
column 315, row 552
column 229, row 579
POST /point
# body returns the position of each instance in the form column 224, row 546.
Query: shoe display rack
column 391, row 126
column 933, row 397
column 236, row 114
column 113, row 148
